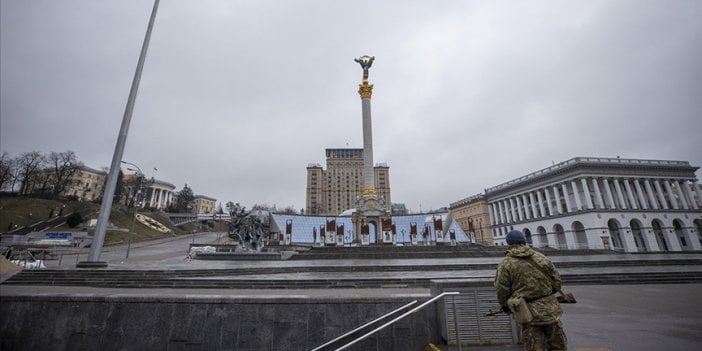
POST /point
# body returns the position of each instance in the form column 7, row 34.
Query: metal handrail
column 363, row 326
column 398, row 318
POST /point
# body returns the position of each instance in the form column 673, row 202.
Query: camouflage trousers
column 549, row 337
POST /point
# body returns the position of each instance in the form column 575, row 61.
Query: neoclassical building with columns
column 628, row 205
column 158, row 194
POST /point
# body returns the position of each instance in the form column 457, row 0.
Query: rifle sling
column 533, row 263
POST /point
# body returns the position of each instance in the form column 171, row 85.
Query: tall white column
column 527, row 213
column 564, row 188
column 598, row 194
column 576, row 195
column 649, row 192
column 586, row 192
column 671, row 195
column 682, row 195
column 500, row 212
column 155, row 197
column 639, row 191
column 608, row 192
column 503, row 212
column 541, row 203
column 492, row 212
column 661, row 197
column 549, row 202
column 518, row 208
column 698, row 191
column 630, row 194
column 690, row 195
column 512, row 209
column 557, row 197
column 620, row 196
column 368, row 172
column 161, row 198
column 533, row 205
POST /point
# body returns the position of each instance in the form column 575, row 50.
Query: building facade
column 87, row 184
column 203, row 204
column 157, row 193
column 83, row 183
column 338, row 188
column 618, row 204
column 473, row 216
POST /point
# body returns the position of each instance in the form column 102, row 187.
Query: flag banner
column 331, row 225
column 387, row 224
column 438, row 225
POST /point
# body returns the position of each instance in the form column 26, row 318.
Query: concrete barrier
column 121, row 322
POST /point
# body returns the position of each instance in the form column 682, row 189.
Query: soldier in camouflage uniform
column 517, row 277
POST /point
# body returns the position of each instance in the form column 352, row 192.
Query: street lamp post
column 190, row 208
column 140, row 176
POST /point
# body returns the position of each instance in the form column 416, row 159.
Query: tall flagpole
column 106, row 207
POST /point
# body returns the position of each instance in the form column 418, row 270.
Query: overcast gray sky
column 237, row 97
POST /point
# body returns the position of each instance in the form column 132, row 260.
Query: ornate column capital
column 365, row 89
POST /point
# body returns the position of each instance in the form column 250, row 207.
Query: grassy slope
column 16, row 210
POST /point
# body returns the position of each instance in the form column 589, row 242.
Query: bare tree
column 61, row 168
column 135, row 189
column 28, row 166
column 7, row 170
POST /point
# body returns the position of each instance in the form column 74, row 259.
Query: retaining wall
column 131, row 322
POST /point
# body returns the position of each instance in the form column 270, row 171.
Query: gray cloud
column 238, row 97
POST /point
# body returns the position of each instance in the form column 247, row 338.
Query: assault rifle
column 492, row 313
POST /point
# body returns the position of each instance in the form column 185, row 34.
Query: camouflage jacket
column 517, row 277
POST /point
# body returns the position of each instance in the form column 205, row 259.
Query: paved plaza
column 606, row 317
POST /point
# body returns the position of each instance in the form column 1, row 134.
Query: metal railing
column 364, row 336
column 363, row 326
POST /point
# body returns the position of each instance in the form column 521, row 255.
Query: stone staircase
column 431, row 251
column 671, row 270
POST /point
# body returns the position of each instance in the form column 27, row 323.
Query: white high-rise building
column 626, row 205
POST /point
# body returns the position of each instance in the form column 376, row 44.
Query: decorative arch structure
column 616, row 234
column 561, row 242
column 541, row 236
column 580, row 235
column 527, row 235
column 638, row 235
column 659, row 234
